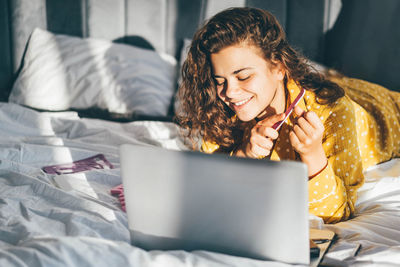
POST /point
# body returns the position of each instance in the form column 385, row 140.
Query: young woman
column 240, row 77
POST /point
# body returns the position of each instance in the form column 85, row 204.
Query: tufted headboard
column 358, row 37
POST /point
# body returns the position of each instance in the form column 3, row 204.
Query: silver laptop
column 195, row 201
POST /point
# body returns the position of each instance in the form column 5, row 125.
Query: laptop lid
column 239, row 206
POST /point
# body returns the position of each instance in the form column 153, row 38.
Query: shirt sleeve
column 333, row 192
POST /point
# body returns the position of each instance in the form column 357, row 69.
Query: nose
column 232, row 89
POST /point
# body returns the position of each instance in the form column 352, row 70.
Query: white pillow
column 61, row 72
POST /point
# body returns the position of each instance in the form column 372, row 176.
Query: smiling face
column 247, row 83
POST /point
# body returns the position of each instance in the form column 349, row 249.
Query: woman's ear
column 280, row 71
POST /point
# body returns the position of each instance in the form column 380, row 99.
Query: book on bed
column 320, row 241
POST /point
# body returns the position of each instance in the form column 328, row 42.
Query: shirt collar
column 293, row 91
column 283, row 148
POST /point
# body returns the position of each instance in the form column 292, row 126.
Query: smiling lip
column 240, row 104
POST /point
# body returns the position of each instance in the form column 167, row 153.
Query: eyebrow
column 235, row 72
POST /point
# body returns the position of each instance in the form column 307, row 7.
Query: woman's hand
column 306, row 139
column 260, row 140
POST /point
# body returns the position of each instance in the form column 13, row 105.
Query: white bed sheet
column 73, row 220
column 376, row 225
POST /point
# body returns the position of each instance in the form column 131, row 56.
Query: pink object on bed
column 98, row 161
column 119, row 191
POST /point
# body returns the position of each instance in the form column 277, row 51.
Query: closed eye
column 244, row 78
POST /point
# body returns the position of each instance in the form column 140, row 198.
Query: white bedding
column 72, row 220
column 61, row 72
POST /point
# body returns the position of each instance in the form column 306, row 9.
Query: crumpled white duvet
column 376, row 226
column 72, row 220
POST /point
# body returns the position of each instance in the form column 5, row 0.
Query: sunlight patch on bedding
column 378, row 256
column 110, row 88
column 75, row 181
column 59, row 153
column 387, row 169
column 381, row 179
column 37, row 66
column 44, row 121
column 167, row 134
column 78, row 182
column 51, row 141
column 44, row 125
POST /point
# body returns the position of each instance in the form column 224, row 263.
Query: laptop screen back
column 238, row 206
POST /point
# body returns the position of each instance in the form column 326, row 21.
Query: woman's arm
column 306, row 139
column 333, row 192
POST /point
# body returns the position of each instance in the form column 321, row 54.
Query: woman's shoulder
column 341, row 107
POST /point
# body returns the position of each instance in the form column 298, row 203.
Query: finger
column 257, row 151
column 271, row 120
column 262, row 141
column 303, row 138
column 294, row 140
column 307, row 128
column 299, row 111
column 269, row 132
column 314, row 120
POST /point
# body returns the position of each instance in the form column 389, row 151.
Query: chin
column 245, row 117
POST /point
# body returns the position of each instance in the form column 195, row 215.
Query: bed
column 71, row 98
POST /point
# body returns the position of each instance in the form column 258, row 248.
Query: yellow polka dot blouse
column 361, row 129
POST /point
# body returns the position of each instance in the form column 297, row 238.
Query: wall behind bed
column 359, row 37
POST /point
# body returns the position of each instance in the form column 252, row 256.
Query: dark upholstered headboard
column 358, row 37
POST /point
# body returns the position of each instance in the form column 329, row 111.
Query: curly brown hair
column 201, row 111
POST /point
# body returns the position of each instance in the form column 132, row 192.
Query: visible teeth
column 241, row 102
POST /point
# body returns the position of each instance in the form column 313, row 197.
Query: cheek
column 253, row 85
column 258, row 86
column 267, row 90
column 270, row 84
